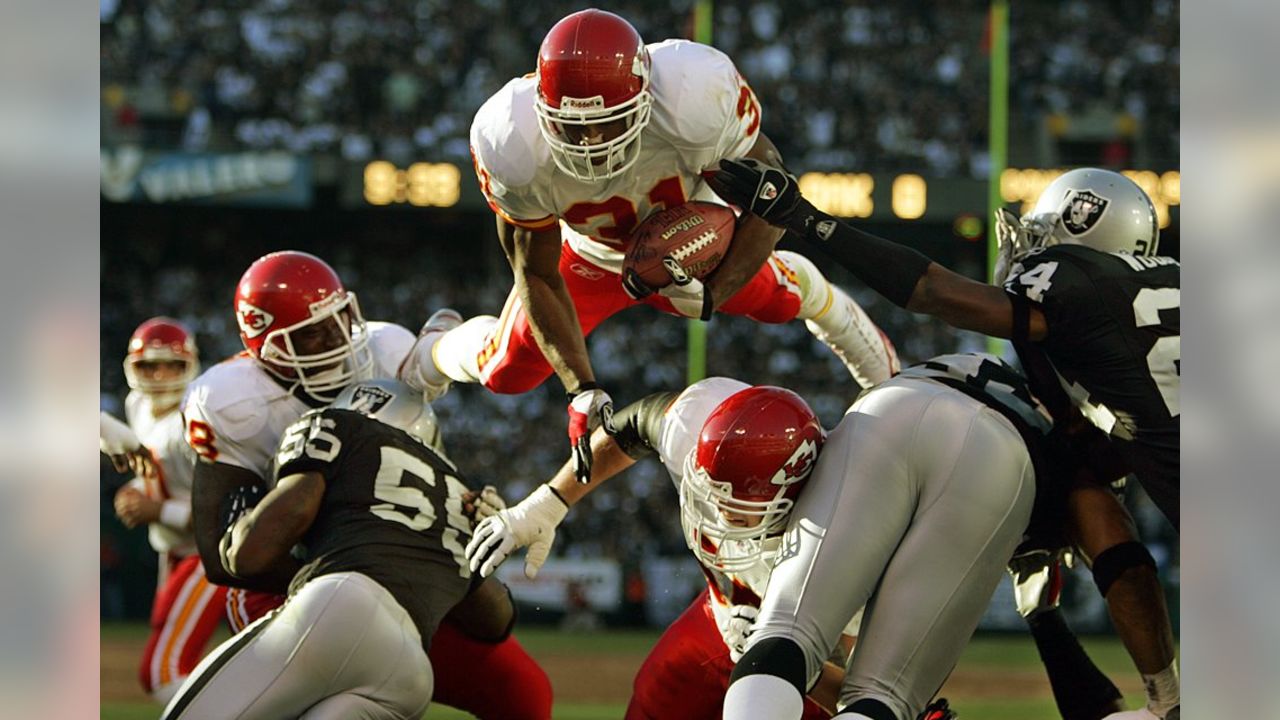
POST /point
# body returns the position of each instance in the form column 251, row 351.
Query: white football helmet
column 1100, row 209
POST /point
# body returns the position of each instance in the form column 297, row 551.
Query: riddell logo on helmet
column 592, row 103
column 798, row 466
column 253, row 321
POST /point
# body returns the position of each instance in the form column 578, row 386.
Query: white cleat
column 440, row 322
column 860, row 345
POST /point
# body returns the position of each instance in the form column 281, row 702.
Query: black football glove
column 764, row 190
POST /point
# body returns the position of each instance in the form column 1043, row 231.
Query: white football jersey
column 163, row 436
column 236, row 411
column 703, row 111
column 681, row 425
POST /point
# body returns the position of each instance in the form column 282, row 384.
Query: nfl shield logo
column 1081, row 210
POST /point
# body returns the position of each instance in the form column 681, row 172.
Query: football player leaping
column 305, row 341
column 380, row 515
column 739, row 456
column 1094, row 314
column 161, row 361
column 571, row 159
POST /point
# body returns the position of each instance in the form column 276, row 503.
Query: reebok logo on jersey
column 253, row 321
column 1081, row 210
column 768, row 191
column 824, row 229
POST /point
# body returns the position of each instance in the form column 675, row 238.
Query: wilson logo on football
column 798, row 466
column 253, row 321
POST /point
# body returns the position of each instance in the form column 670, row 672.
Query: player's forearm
column 609, row 460
column 889, row 268
column 554, row 323
column 753, row 240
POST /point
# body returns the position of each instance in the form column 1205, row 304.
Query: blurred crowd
column 890, row 86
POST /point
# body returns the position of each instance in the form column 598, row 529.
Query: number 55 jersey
column 392, row 510
column 1114, row 342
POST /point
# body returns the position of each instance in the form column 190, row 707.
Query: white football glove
column 737, row 628
column 687, row 293
column 488, row 503
column 118, row 442
column 531, row 523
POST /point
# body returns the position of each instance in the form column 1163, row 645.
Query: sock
column 1080, row 689
column 456, row 353
column 1163, row 692
column 762, row 696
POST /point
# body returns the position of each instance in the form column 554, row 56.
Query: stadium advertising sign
column 273, row 179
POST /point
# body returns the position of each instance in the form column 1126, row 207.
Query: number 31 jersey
column 703, row 111
column 1114, row 341
column 392, row 510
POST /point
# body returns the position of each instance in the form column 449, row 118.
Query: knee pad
column 1115, row 560
column 776, row 656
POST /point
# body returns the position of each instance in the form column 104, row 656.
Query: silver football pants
column 919, row 497
column 341, row 647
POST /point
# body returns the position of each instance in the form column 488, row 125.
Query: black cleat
column 938, row 710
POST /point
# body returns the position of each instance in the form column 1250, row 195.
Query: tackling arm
column 212, row 483
column 753, row 240
column 260, row 541
column 535, row 259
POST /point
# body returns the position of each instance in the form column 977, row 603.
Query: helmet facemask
column 704, row 503
column 1017, row 236
column 324, row 374
column 598, row 161
column 161, row 392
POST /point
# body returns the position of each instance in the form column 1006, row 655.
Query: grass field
column 998, row 678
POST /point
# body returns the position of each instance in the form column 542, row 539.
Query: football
column 696, row 235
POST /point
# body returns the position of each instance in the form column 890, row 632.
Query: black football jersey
column 1114, row 342
column 392, row 510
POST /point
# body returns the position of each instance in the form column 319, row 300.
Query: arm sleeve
column 639, row 424
column 887, row 267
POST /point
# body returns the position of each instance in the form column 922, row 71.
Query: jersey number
column 668, row 193
column 1165, row 357
column 401, row 485
column 313, row 438
column 1038, row 280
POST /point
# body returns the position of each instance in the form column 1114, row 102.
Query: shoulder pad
column 390, row 344
column 695, row 91
column 505, row 137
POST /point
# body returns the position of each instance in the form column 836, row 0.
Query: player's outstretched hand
column 589, row 408
column 531, row 523
column 482, row 504
column 764, row 190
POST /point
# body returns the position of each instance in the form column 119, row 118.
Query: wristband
column 175, row 514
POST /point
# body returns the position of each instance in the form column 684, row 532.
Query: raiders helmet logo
column 253, row 321
column 1082, row 209
column 369, row 399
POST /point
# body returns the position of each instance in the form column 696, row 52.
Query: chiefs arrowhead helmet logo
column 253, row 320
column 798, row 466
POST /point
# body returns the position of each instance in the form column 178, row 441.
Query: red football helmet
column 161, row 339
column 593, row 69
column 754, row 454
column 301, row 324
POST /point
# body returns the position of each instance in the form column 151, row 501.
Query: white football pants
column 341, row 647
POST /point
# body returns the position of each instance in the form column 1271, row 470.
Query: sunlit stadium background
column 235, row 128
